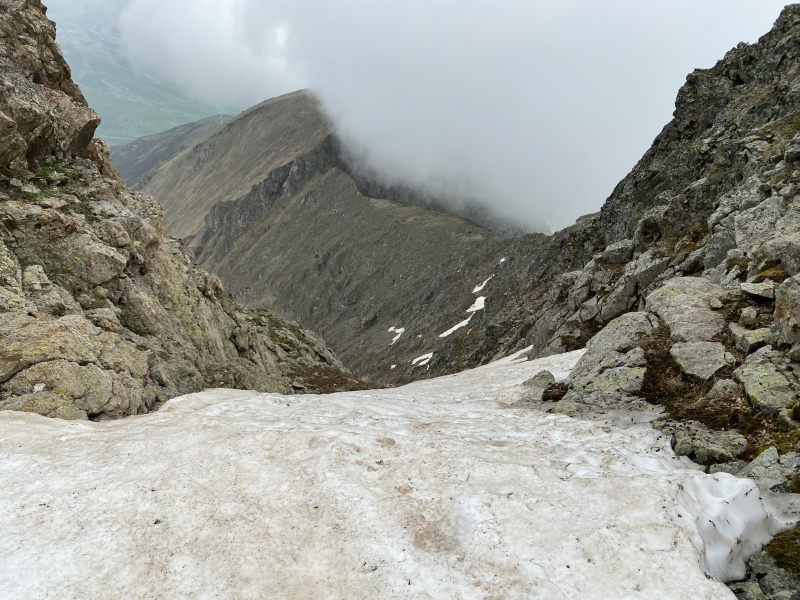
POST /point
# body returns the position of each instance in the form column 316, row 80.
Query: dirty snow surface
column 437, row 489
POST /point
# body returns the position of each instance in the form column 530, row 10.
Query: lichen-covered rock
column 770, row 465
column 766, row 387
column 47, row 404
column 611, row 371
column 701, row 444
column 748, row 341
column 787, row 311
column 700, row 359
column 764, row 290
column 683, row 304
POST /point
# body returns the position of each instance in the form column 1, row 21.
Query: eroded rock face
column 43, row 113
column 101, row 316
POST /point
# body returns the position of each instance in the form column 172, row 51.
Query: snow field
column 438, row 489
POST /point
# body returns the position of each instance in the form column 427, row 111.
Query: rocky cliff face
column 102, row 316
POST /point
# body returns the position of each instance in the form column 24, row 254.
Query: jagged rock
column 787, row 311
column 683, row 303
column 47, row 404
column 700, row 359
column 716, row 250
column 647, row 268
column 766, row 387
column 755, row 225
column 100, row 315
column 748, row 341
column 618, row 253
column 760, row 290
column 702, row 445
column 694, row 262
column 724, row 388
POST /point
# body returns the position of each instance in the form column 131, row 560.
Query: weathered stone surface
column 683, row 303
column 702, row 445
column 766, row 387
column 87, row 387
column 535, row 387
column 764, row 290
column 611, row 371
column 748, row 341
column 766, row 581
column 724, row 388
column 773, row 466
column 25, row 341
column 787, row 311
column 100, row 315
column 748, row 317
column 617, row 254
column 47, row 404
column 699, row 359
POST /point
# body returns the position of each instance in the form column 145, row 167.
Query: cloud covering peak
column 537, row 107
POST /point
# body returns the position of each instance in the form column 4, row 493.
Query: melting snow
column 422, row 360
column 481, row 286
column 399, row 333
column 457, row 327
column 480, row 304
column 432, row 490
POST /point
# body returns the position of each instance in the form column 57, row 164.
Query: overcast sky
column 538, row 106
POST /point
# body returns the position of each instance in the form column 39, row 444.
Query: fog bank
column 539, row 108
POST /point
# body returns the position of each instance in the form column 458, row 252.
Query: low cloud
column 539, row 108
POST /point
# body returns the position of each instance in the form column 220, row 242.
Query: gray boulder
column 769, row 465
column 748, row 341
column 702, row 445
column 724, row 388
column 683, row 303
column 617, row 254
column 700, row 359
column 766, row 387
column 611, row 371
column 765, row 290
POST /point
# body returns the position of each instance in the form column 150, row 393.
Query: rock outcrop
column 101, row 315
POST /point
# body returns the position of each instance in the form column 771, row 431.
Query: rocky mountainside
column 135, row 160
column 102, row 316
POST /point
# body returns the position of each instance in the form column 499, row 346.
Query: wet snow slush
column 438, row 489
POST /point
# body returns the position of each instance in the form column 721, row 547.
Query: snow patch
column 399, row 331
column 456, row 328
column 480, row 304
column 422, row 360
column 481, row 286
column 437, row 489
column 730, row 520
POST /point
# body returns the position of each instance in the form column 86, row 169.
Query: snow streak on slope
column 480, row 304
column 479, row 288
column 455, row 328
column 434, row 490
